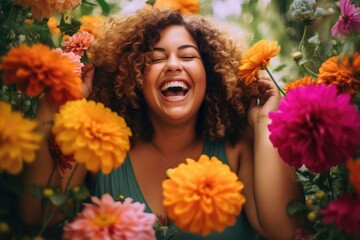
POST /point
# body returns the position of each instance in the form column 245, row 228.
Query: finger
column 88, row 75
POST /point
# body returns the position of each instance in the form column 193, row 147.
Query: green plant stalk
column 48, row 219
column 277, row 85
column 303, row 38
column 308, row 70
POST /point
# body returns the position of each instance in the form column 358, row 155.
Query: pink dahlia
column 106, row 219
column 344, row 213
column 74, row 58
column 348, row 20
column 78, row 43
column 316, row 127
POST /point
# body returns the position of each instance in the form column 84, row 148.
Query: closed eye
column 188, row 57
column 157, row 60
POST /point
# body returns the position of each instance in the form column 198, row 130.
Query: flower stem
column 303, row 38
column 277, row 85
column 308, row 70
column 47, row 219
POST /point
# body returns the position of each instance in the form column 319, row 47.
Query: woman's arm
column 39, row 172
column 274, row 183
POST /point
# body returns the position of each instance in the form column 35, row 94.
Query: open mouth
column 174, row 89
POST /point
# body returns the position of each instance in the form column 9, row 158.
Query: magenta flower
column 106, row 219
column 316, row 127
column 344, row 213
column 349, row 19
column 78, row 43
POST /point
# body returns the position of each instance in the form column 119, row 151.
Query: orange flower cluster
column 305, row 81
column 37, row 68
column 257, row 58
column 203, row 196
column 41, row 9
column 97, row 137
column 354, row 173
column 184, row 7
column 18, row 140
column 342, row 73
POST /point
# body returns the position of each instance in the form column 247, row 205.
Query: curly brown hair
column 122, row 52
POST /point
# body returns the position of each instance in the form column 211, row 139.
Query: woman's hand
column 87, row 75
column 267, row 101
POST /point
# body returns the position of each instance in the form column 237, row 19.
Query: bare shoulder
column 240, row 151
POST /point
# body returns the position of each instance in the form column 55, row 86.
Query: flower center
column 104, row 220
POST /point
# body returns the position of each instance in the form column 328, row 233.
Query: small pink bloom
column 302, row 233
column 106, row 219
column 316, row 127
column 349, row 19
column 344, row 213
column 73, row 57
column 78, row 43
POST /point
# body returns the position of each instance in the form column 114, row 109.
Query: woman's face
column 175, row 81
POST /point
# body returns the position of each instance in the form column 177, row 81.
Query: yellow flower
column 301, row 82
column 38, row 68
column 53, row 24
column 203, row 196
column 342, row 73
column 182, row 6
column 257, row 58
column 92, row 24
column 18, row 140
column 96, row 136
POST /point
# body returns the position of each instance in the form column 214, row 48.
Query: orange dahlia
column 97, row 137
column 354, row 173
column 41, row 9
column 305, row 81
column 203, row 196
column 184, row 7
column 38, row 68
column 343, row 74
column 257, row 58
column 18, row 140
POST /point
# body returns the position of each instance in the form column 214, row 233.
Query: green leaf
column 279, row 68
column 58, row 198
column 36, row 191
column 105, row 7
column 295, row 207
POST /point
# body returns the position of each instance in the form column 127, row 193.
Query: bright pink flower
column 316, row 127
column 78, row 43
column 106, row 219
column 344, row 213
column 349, row 19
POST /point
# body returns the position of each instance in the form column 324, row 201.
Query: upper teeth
column 174, row 84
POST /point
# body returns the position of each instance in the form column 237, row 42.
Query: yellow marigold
column 342, row 73
column 305, row 81
column 257, row 58
column 96, row 136
column 203, row 196
column 354, row 173
column 92, row 24
column 18, row 140
column 53, row 24
column 41, row 9
column 38, row 68
column 182, row 6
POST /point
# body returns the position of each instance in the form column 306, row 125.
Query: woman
column 176, row 83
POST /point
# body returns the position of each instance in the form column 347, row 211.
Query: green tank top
column 122, row 181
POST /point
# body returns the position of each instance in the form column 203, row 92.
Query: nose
column 173, row 65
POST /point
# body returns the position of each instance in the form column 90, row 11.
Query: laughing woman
column 175, row 81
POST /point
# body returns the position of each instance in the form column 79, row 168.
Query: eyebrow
column 179, row 48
